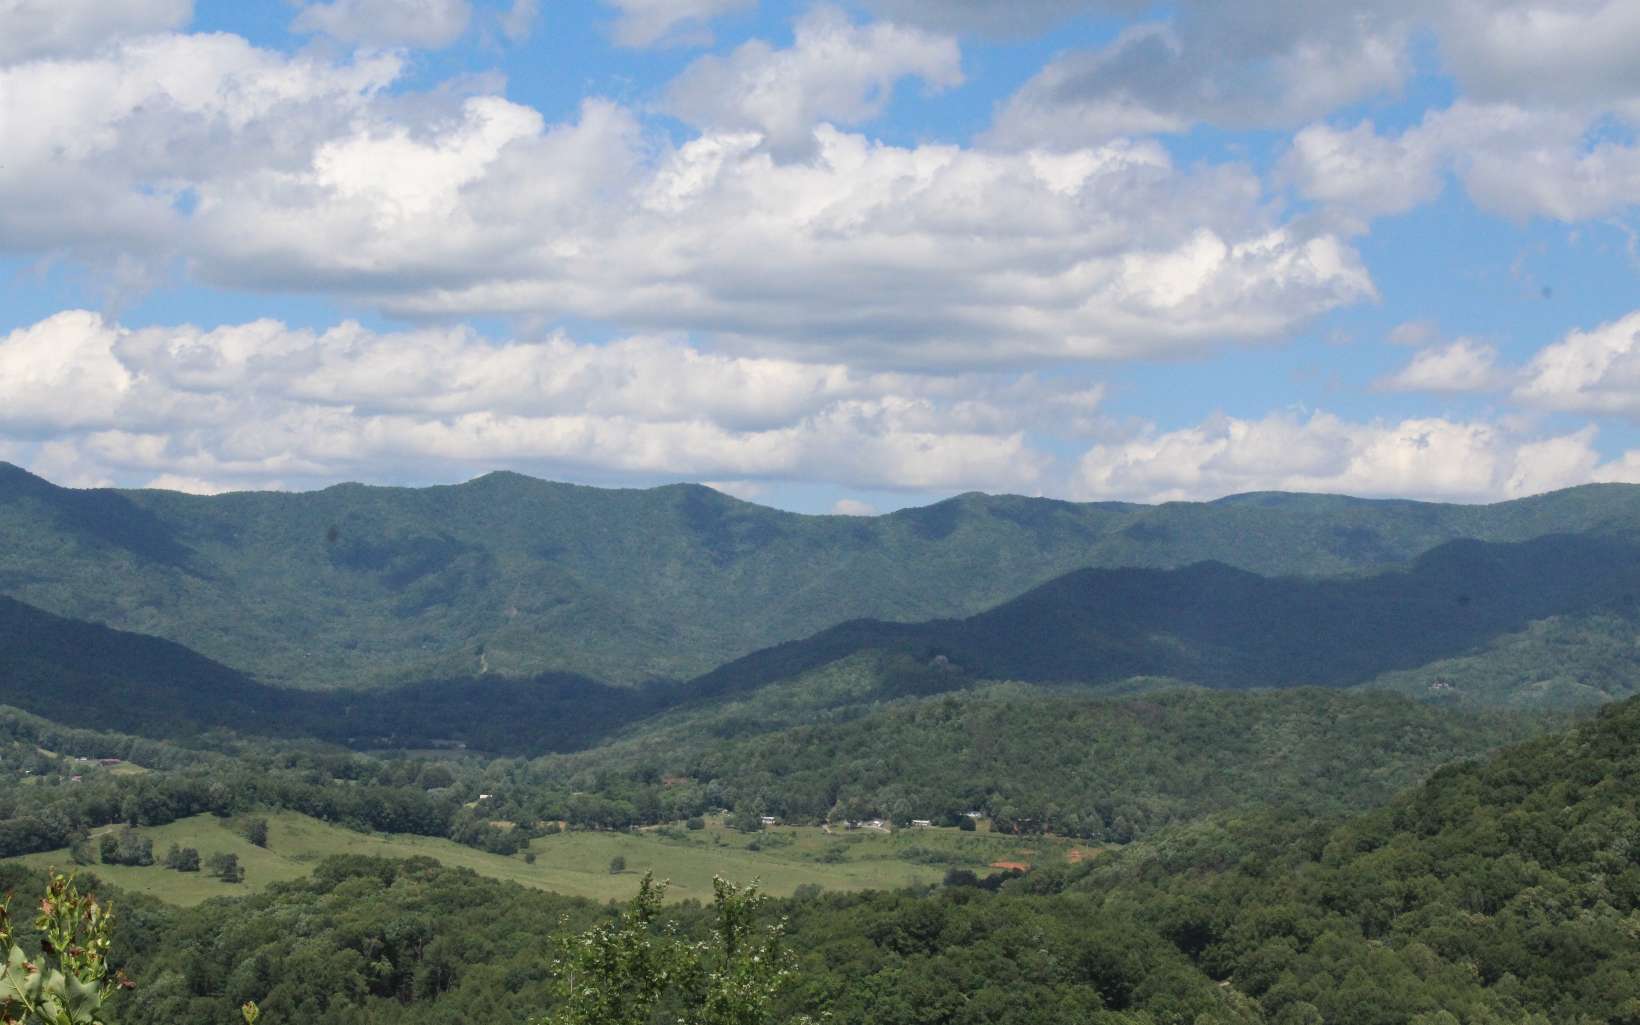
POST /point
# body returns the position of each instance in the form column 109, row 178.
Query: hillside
column 355, row 585
column 90, row 676
column 1547, row 623
column 1502, row 891
column 1033, row 759
column 1218, row 626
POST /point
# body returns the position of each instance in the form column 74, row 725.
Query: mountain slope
column 1222, row 627
column 357, row 585
column 1034, row 758
column 90, row 676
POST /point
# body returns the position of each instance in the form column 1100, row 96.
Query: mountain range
column 355, row 586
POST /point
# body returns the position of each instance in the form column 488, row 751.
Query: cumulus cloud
column 1462, row 366
column 1431, row 457
column 670, row 22
column 428, row 24
column 1595, row 371
column 1236, row 66
column 56, row 28
column 270, row 172
column 1514, row 161
column 104, row 152
column 261, row 403
column 834, row 71
column 1543, row 51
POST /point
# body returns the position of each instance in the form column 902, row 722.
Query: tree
column 256, row 831
column 71, row 981
column 619, row 973
column 128, row 847
column 617, row 865
column 182, row 859
column 226, row 868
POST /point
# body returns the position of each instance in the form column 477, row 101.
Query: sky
column 830, row 257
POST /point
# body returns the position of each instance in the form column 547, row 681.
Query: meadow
column 578, row 863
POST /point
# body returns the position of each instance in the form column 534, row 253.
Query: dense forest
column 1499, row 891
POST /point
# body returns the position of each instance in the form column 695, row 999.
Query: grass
column 577, row 864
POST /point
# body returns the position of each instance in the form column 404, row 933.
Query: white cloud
column 987, row 17
column 853, row 507
column 1414, row 332
column 835, row 71
column 102, row 151
column 269, row 172
column 429, row 24
column 1514, row 161
column 1464, row 365
column 260, row 403
column 1566, row 52
column 1268, row 65
column 1427, row 457
column 1358, row 171
column 518, row 21
column 1595, row 371
column 670, row 22
column 55, row 28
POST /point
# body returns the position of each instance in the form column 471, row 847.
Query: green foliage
column 617, row 865
column 127, row 847
column 1031, row 759
column 226, row 867
column 256, row 831
column 626, row 971
column 182, row 859
column 70, row 979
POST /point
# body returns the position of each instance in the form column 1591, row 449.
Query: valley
column 1148, row 741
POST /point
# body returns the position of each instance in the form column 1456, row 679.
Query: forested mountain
column 87, row 675
column 1218, row 626
column 357, row 585
column 1470, row 622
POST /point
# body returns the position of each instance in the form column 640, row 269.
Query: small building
column 768, row 820
column 973, row 814
column 921, row 823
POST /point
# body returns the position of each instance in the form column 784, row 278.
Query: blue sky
column 829, row 257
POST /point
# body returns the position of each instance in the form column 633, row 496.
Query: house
column 921, row 823
column 768, row 820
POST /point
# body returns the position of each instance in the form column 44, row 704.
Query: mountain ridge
column 359, row 585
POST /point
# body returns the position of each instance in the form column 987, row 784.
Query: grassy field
column 782, row 858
